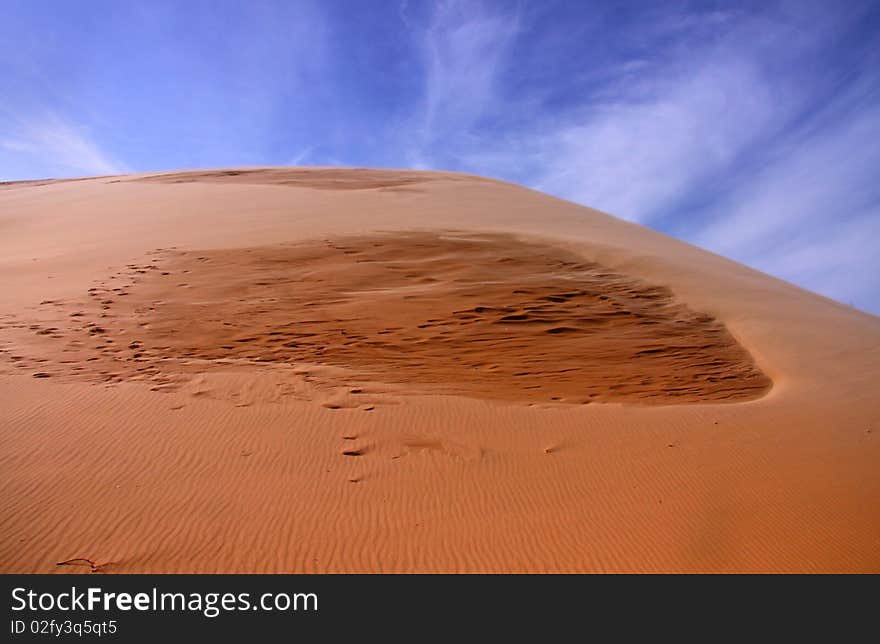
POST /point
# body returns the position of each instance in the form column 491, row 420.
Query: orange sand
column 329, row 370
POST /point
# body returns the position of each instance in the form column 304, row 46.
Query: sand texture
column 342, row 370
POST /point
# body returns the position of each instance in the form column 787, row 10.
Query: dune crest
column 324, row 179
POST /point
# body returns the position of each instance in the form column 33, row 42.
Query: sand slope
column 330, row 370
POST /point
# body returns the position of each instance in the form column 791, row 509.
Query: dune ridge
column 324, row 179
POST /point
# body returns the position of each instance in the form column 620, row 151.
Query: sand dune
column 339, row 370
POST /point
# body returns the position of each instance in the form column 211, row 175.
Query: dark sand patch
column 481, row 315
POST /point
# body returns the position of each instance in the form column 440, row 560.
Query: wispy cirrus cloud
column 658, row 132
column 811, row 214
column 639, row 156
column 161, row 85
column 464, row 47
column 55, row 145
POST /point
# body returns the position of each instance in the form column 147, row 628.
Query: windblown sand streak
column 476, row 315
column 294, row 370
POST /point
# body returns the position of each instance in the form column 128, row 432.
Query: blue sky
column 749, row 128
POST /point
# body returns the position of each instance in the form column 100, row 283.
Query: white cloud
column 812, row 215
column 838, row 259
column 52, row 146
column 465, row 49
column 824, row 174
column 636, row 158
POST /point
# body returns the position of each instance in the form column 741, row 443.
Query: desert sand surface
column 340, row 370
